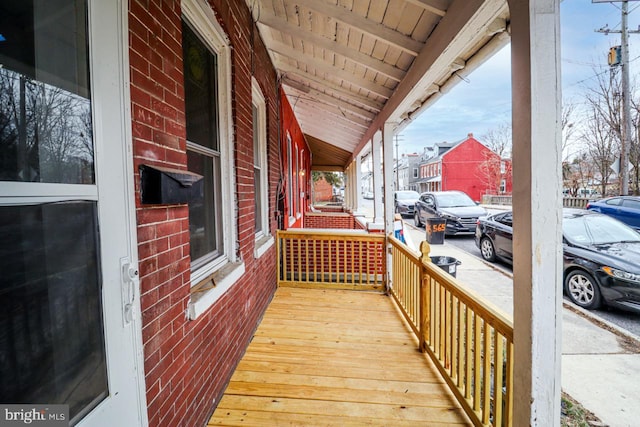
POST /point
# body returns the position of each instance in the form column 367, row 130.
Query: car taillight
column 588, row 205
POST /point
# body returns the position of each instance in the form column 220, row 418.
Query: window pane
column 258, row 199
column 45, row 111
column 200, row 90
column 51, row 331
column 204, row 209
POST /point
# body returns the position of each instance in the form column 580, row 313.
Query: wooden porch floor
column 335, row 358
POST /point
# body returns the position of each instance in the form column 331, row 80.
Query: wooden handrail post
column 425, row 313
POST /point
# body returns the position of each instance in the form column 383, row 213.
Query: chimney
column 470, row 135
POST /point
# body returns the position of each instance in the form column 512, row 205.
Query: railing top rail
column 337, row 234
column 407, row 251
column 492, row 315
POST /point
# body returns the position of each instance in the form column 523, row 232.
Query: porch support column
column 358, row 182
column 377, row 178
column 537, row 210
column 347, row 189
column 387, row 141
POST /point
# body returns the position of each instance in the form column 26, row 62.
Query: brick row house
column 144, row 152
column 466, row 165
column 151, row 149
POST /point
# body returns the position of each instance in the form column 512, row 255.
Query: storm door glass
column 52, row 345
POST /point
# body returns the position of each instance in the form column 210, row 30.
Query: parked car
column 601, row 256
column 405, row 201
column 456, row 207
column 622, row 208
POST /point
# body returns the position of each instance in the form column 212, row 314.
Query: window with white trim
column 207, row 83
column 292, row 218
column 260, row 161
column 415, row 172
column 503, row 186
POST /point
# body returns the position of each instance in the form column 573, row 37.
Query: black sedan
column 456, row 207
column 601, row 256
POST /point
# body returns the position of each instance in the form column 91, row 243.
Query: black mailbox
column 166, row 186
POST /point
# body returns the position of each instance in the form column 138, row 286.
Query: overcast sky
column 484, row 102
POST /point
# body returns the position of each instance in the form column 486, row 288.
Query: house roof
column 348, row 68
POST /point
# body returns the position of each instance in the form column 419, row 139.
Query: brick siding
column 188, row 363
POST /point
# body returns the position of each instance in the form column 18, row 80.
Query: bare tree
column 498, row 140
column 568, row 128
column 601, row 144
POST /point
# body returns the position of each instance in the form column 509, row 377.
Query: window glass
column 45, row 109
column 203, row 156
column 51, row 340
column 630, row 203
column 201, row 90
column 257, row 167
column 614, row 202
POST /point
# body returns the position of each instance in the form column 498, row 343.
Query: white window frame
column 503, row 186
column 264, row 240
column 292, row 218
column 226, row 269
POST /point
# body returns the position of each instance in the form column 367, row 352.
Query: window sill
column 208, row 291
column 263, row 243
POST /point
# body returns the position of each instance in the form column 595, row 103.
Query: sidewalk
column 599, row 368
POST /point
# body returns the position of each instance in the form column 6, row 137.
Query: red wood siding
column 188, row 363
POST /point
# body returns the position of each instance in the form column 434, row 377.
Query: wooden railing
column 470, row 343
column 334, row 259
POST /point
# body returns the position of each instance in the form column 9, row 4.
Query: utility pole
column 626, row 105
column 623, row 61
column 397, row 137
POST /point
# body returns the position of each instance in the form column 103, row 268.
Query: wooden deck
column 335, row 358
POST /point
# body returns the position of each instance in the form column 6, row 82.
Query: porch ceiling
column 349, row 66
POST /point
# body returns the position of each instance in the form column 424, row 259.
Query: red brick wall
column 330, row 208
column 188, row 363
column 329, row 220
column 322, row 191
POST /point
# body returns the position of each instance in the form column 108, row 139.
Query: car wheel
column 583, row 290
column 416, row 219
column 487, row 250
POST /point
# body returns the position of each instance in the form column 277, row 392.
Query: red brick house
column 467, row 166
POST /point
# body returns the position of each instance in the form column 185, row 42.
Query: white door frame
column 111, row 104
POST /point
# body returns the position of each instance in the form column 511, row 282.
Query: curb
column 600, row 322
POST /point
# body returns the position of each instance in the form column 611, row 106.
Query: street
column 625, row 320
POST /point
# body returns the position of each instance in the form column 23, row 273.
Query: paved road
column 625, row 320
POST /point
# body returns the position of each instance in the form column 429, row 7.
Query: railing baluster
column 477, row 369
column 498, row 363
column 486, row 375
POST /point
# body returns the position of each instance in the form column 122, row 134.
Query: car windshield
column 407, row 195
column 454, row 200
column 597, row 230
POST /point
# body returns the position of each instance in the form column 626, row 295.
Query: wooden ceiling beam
column 360, row 23
column 437, row 7
column 324, row 67
column 272, row 21
column 346, row 93
column 345, row 105
column 335, row 111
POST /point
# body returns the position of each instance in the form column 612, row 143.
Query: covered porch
column 342, row 345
